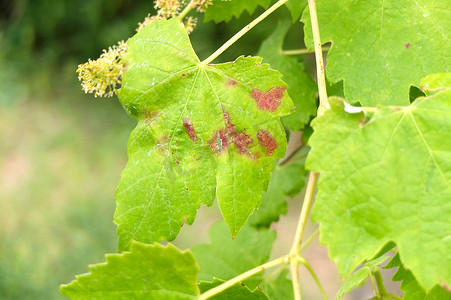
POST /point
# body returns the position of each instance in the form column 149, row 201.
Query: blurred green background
column 62, row 152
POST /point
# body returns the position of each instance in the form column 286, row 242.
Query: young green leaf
column 380, row 48
column 226, row 258
column 359, row 277
column 146, row 272
column 280, row 288
column 237, row 292
column 302, row 88
column 388, row 179
column 286, row 180
column 436, row 81
column 203, row 131
column 411, row 288
column 224, row 10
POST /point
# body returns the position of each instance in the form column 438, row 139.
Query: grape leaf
column 203, row 130
column 380, row 48
column 436, row 81
column 280, row 288
column 301, row 88
column 226, row 258
column 146, row 272
column 386, row 179
column 412, row 290
column 286, row 180
column 224, row 10
column 235, row 292
column 296, row 8
column 359, row 277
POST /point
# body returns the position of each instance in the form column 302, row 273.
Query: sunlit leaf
column 146, row 272
column 380, row 48
column 203, row 131
column 236, row 292
column 386, row 179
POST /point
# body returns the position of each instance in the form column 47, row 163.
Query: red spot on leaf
column 268, row 141
column 446, row 287
column 183, row 75
column 269, row 100
column 184, row 220
column 218, row 142
column 162, row 144
column 151, row 116
column 407, row 45
column 190, row 129
column 231, row 82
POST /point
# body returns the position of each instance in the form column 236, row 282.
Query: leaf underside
column 146, row 272
column 380, row 48
column 386, row 179
column 225, row 10
column 203, row 131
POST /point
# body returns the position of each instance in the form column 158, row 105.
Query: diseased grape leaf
column 412, row 290
column 286, row 180
column 386, row 179
column 380, row 48
column 236, row 292
column 280, row 288
column 301, row 88
column 359, row 277
column 203, row 131
column 296, row 7
column 226, row 258
column 146, row 272
column 225, row 10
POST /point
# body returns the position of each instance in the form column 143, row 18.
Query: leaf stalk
column 321, row 78
column 243, row 31
column 302, row 51
column 186, row 10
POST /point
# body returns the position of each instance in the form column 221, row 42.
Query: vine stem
column 299, row 232
column 229, row 283
column 321, row 78
column 243, row 31
column 380, row 284
column 186, row 10
column 302, row 51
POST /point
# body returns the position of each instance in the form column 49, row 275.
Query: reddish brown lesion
column 190, row 129
column 162, row 144
column 268, row 141
column 184, row 75
column 151, row 116
column 269, row 100
column 221, row 138
column 231, row 82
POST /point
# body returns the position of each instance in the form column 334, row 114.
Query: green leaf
column 296, row 8
column 224, row 10
column 411, row 288
column 380, row 48
column 203, row 131
column 359, row 277
column 235, row 292
column 301, row 88
column 146, row 272
column 287, row 180
column 226, row 258
column 436, row 81
column 280, row 288
column 386, row 179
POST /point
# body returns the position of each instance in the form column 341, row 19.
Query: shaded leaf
column 203, row 131
column 359, row 277
column 411, row 288
column 225, row 10
column 386, row 179
column 280, row 288
column 226, row 258
column 296, row 8
column 301, row 86
column 146, row 272
column 287, row 180
column 380, row 48
column 236, row 292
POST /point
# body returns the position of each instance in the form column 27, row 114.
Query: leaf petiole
column 186, row 10
column 243, row 31
column 302, row 51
